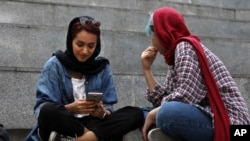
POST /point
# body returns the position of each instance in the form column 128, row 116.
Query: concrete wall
column 31, row 30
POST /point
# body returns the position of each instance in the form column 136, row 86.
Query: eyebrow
column 79, row 41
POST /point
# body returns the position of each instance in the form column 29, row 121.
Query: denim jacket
column 54, row 85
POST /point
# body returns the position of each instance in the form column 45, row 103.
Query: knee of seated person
column 133, row 110
column 139, row 116
column 136, row 115
column 50, row 108
column 168, row 111
column 138, row 112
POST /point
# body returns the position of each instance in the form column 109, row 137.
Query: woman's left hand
column 149, row 123
column 99, row 110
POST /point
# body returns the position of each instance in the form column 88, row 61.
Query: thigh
column 185, row 120
column 117, row 124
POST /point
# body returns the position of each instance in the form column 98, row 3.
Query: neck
column 77, row 75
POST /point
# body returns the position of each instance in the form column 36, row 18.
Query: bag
column 3, row 134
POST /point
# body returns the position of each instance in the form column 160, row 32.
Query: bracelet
column 104, row 115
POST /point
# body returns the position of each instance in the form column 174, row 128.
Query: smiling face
column 84, row 45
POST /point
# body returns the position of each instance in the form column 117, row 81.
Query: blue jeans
column 184, row 121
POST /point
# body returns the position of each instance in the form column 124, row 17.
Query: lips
column 82, row 57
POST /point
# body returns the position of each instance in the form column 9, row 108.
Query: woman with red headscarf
column 199, row 99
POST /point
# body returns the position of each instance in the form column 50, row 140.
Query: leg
column 54, row 117
column 123, row 121
column 119, row 123
column 185, row 121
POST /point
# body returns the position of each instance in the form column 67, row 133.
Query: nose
column 84, row 50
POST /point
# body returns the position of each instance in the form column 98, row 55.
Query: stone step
column 147, row 4
column 18, row 92
column 31, row 47
column 47, row 14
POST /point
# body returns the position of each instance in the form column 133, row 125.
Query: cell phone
column 94, row 96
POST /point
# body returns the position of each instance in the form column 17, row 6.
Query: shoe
column 54, row 136
column 157, row 135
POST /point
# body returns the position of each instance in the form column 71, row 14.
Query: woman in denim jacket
column 61, row 108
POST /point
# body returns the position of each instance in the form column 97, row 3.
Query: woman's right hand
column 148, row 56
column 81, row 106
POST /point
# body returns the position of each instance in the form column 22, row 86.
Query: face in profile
column 84, row 45
column 156, row 43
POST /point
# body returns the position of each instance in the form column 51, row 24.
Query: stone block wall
column 31, row 30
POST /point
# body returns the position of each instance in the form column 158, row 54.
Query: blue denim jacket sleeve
column 103, row 82
column 109, row 90
column 49, row 84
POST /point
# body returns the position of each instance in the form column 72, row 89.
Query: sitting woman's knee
column 168, row 112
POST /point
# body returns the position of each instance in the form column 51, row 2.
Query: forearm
column 149, row 79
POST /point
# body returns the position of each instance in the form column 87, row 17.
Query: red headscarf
column 170, row 29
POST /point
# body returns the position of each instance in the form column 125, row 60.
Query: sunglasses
column 87, row 22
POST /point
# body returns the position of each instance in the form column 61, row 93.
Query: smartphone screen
column 94, row 96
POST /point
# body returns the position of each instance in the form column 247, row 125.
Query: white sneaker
column 54, row 136
column 157, row 135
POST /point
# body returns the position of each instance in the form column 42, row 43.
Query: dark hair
column 78, row 27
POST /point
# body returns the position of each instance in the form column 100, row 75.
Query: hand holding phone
column 94, row 96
